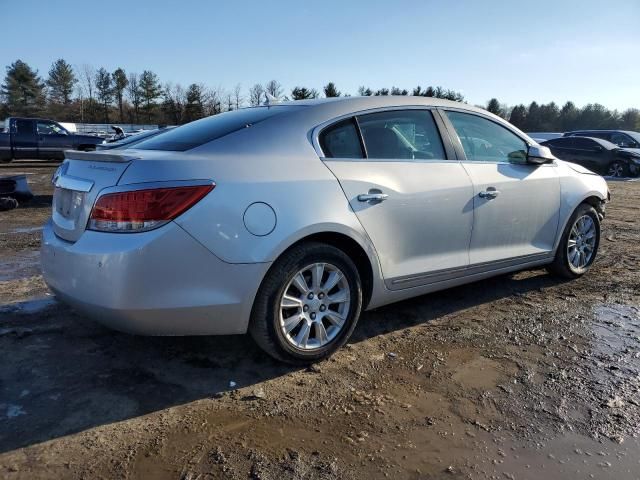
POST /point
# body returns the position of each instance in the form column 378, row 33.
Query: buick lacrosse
column 288, row 220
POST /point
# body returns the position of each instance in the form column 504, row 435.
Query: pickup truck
column 35, row 138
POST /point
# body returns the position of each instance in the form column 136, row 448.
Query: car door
column 591, row 154
column 410, row 195
column 23, row 139
column 53, row 140
column 515, row 204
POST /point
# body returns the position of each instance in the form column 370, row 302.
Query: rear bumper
column 161, row 282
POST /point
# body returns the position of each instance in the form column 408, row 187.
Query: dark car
column 40, row 138
column 596, row 154
column 621, row 138
column 130, row 141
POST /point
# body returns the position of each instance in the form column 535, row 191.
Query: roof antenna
column 270, row 99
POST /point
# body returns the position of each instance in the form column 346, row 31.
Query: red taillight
column 137, row 210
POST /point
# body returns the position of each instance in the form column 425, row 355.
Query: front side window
column 623, row 140
column 486, row 141
column 49, row 128
column 341, row 140
column 401, row 134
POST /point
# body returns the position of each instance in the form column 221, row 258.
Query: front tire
column 579, row 243
column 308, row 304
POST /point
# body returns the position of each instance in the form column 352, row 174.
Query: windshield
column 203, row 131
column 634, row 135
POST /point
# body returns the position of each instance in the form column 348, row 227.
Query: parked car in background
column 288, row 220
column 597, row 155
column 543, row 136
column 130, row 141
column 39, row 138
column 621, row 138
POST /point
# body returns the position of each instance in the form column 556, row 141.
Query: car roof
column 600, row 131
column 379, row 101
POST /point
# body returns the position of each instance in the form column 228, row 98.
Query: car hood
column 87, row 138
column 634, row 151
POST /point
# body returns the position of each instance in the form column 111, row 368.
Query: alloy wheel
column 314, row 306
column 582, row 241
column 616, row 169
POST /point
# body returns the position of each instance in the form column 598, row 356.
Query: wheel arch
column 366, row 261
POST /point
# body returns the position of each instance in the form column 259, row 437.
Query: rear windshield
column 203, row 131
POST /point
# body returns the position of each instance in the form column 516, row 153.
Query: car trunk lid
column 78, row 181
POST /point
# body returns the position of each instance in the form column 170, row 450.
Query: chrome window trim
column 317, row 130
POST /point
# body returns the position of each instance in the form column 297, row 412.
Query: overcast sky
column 586, row 51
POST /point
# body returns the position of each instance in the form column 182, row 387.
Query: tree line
column 95, row 95
column 550, row 117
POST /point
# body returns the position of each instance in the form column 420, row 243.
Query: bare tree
column 133, row 91
column 87, row 80
column 212, row 100
column 256, row 94
column 274, row 88
column 237, row 96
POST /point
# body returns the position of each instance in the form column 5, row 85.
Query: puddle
column 30, row 306
column 617, row 332
column 20, row 265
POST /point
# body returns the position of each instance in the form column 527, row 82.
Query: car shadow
column 62, row 373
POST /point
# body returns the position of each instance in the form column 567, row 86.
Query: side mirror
column 537, row 155
column 598, row 148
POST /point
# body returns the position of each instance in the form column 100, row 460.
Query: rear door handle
column 490, row 193
column 372, row 197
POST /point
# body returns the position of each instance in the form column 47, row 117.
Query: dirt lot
column 522, row 376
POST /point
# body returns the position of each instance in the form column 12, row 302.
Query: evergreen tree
column 104, row 90
column 630, row 119
column 365, row 92
column 398, row 91
column 494, row 107
column 120, row 82
column 383, row 92
column 61, row 82
column 518, row 116
column 549, row 117
column 194, row 109
column 150, row 91
column 303, row 93
column 22, row 90
column 568, row 117
column 330, row 90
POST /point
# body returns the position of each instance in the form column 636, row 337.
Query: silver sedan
column 288, row 220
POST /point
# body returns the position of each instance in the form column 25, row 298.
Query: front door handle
column 372, row 197
column 490, row 193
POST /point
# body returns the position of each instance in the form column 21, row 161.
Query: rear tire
column 618, row 169
column 293, row 318
column 579, row 243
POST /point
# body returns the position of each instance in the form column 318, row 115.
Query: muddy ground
column 523, row 376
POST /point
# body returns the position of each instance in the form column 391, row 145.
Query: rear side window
column 341, row 140
column 203, row 131
column 584, row 143
column 564, row 142
column 401, row 134
column 24, row 127
column 486, row 141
